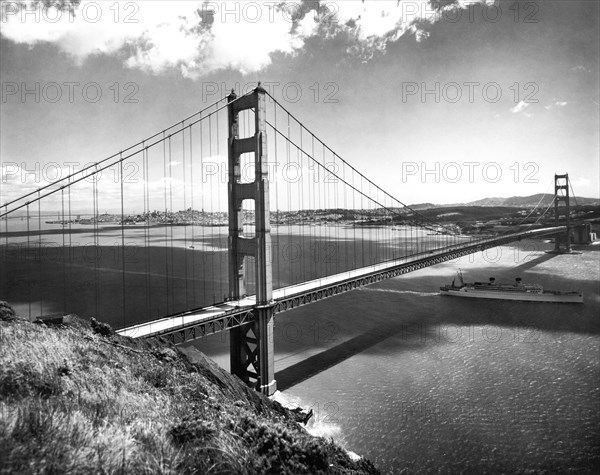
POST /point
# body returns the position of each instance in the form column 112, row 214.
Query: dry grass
column 72, row 401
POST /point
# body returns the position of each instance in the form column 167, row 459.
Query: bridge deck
column 200, row 322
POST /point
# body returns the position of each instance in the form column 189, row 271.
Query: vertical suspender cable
column 147, row 227
column 193, row 218
column 40, row 257
column 185, row 215
column 212, row 211
column 276, row 247
column 172, row 276
column 70, row 230
column 64, row 264
column 28, row 258
column 204, row 220
column 123, row 241
column 96, row 243
column 165, row 219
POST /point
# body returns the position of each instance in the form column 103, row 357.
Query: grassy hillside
column 76, row 398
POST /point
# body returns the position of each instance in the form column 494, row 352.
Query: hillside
column 531, row 201
column 513, row 202
column 76, row 398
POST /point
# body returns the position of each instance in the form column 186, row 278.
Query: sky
column 441, row 102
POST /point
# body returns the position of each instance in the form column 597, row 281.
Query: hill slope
column 514, row 202
column 76, row 399
column 531, row 201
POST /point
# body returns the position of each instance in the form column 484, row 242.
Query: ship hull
column 517, row 296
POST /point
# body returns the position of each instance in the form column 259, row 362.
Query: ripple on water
column 482, row 387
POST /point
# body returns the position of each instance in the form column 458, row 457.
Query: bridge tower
column 252, row 351
column 561, row 196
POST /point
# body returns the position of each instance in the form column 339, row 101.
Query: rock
column 50, row 320
column 166, row 354
column 301, row 415
column 7, row 314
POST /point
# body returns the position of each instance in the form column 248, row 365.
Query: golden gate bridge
column 252, row 236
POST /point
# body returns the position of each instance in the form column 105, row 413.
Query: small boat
column 517, row 291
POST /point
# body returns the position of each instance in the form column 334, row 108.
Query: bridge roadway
column 197, row 323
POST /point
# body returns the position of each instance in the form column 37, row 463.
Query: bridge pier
column 561, row 195
column 252, row 352
column 251, row 346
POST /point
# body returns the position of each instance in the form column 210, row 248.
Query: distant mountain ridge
column 513, row 202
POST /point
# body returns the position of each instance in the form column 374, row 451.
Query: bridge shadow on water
column 531, row 263
column 410, row 310
column 315, row 364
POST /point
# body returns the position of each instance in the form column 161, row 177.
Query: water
column 414, row 381
column 418, row 382
column 127, row 275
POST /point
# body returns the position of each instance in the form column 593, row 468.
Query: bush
column 22, row 380
column 6, row 312
column 103, row 329
column 74, row 403
column 193, row 430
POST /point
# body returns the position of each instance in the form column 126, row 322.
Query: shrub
column 6, row 312
column 103, row 329
column 192, row 430
column 23, row 380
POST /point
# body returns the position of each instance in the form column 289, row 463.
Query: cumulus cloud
column 556, row 104
column 148, row 35
column 17, row 179
column 198, row 37
column 520, row 107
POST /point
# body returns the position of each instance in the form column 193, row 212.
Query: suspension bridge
column 218, row 223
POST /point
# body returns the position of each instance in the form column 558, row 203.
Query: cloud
column 581, row 181
column 148, row 35
column 198, row 37
column 584, row 186
column 556, row 104
column 520, row 107
column 580, row 68
column 17, row 180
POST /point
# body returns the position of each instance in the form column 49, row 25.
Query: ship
column 500, row 291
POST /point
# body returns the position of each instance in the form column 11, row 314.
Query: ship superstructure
column 530, row 292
